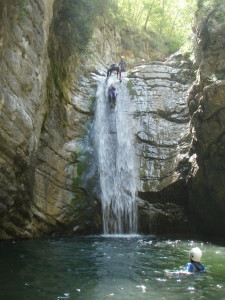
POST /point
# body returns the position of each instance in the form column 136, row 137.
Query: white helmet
column 195, row 254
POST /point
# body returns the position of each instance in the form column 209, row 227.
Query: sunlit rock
column 159, row 95
column 162, row 124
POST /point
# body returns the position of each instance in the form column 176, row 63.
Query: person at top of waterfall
column 194, row 265
column 113, row 67
column 112, row 95
column 122, row 64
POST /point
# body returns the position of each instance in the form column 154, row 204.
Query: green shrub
column 76, row 19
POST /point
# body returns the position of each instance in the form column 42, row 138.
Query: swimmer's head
column 195, row 254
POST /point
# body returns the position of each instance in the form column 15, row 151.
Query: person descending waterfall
column 116, row 161
column 113, row 67
column 112, row 95
column 194, row 265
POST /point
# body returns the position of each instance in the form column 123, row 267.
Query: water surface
column 106, row 267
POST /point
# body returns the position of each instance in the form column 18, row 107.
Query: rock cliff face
column 41, row 133
column 207, row 106
column 24, row 70
column 46, row 109
column 159, row 92
column 46, row 104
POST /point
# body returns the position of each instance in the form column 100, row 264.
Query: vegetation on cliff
column 76, row 20
column 156, row 25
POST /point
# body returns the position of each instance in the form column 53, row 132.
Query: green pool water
column 109, row 267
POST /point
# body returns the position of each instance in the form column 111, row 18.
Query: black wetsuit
column 114, row 67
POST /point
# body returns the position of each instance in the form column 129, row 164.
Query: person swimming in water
column 194, row 265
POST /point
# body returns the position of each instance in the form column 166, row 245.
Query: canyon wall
column 207, row 108
column 47, row 97
column 24, row 72
column 47, row 105
column 159, row 91
column 43, row 122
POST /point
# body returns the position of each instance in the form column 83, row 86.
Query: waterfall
column 116, row 163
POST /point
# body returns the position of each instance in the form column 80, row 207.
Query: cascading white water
column 116, row 163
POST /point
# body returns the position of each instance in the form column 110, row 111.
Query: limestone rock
column 162, row 123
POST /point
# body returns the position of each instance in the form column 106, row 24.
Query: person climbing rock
column 194, row 265
column 113, row 67
column 112, row 95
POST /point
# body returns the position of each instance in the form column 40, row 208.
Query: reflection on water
column 108, row 267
